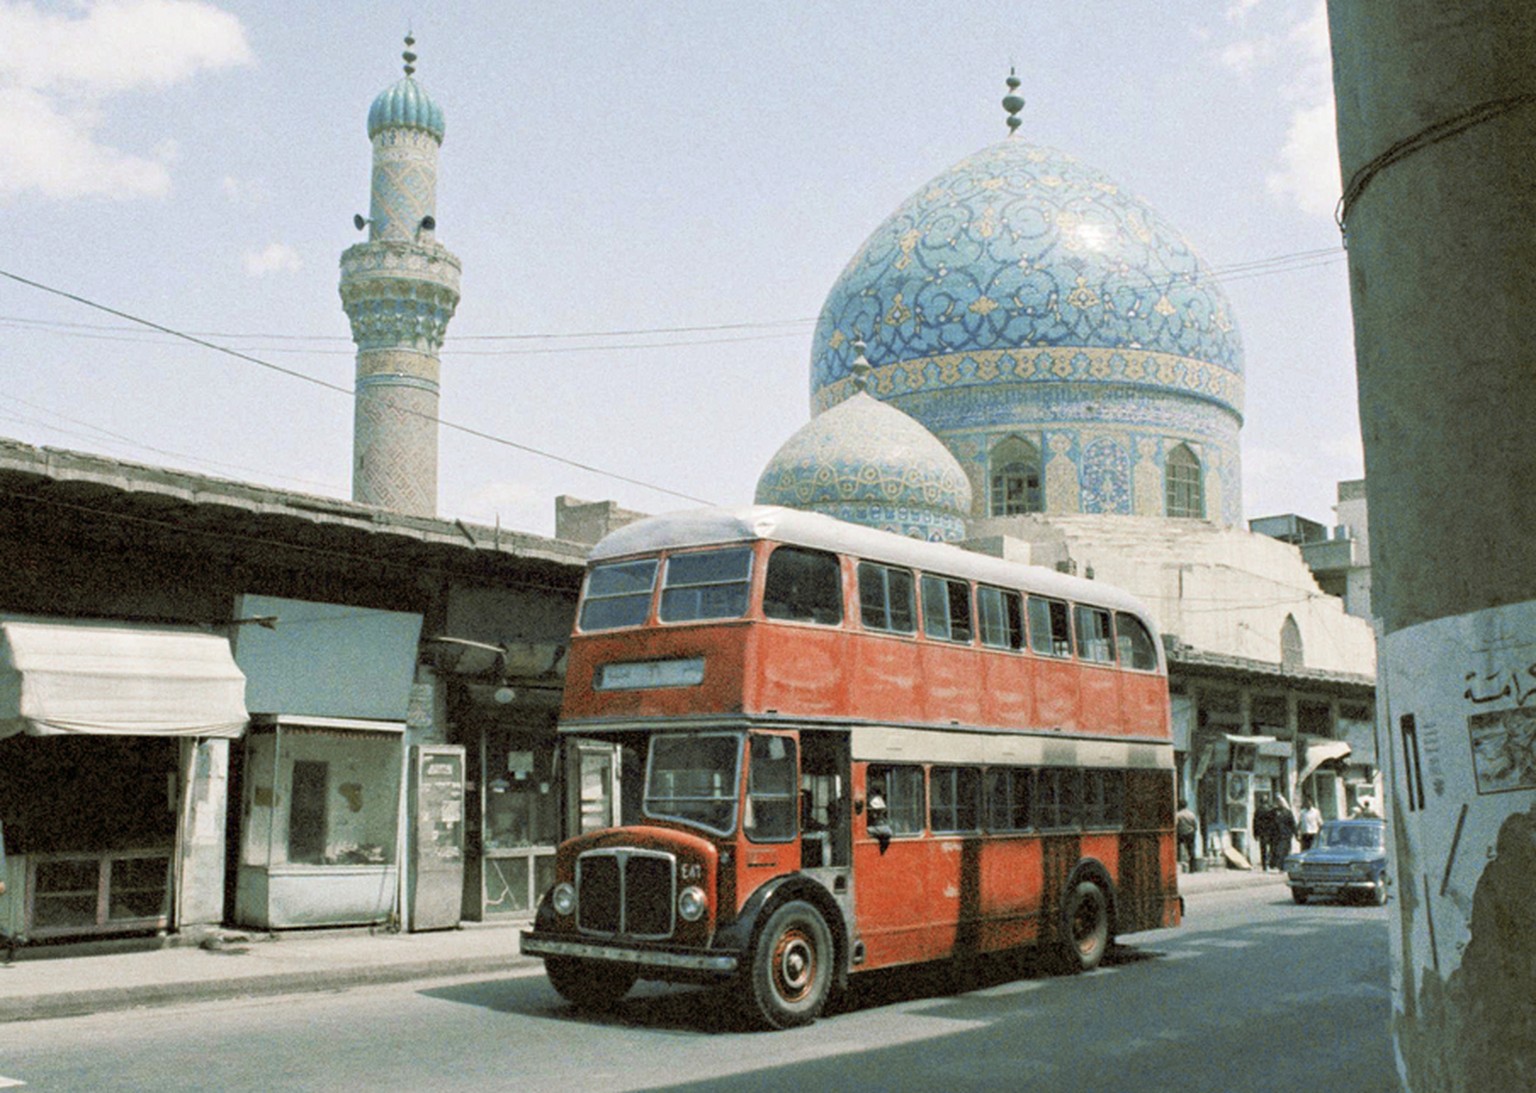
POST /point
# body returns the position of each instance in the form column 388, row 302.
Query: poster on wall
column 1460, row 743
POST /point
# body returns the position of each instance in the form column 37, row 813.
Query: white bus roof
column 711, row 526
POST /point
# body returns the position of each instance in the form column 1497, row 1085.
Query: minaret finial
column 1013, row 102
column 410, row 57
column 861, row 368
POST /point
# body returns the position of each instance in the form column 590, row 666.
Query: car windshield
column 694, row 778
column 1356, row 836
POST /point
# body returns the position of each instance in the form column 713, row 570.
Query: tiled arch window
column 1016, row 478
column 1184, row 483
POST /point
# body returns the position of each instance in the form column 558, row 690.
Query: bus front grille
column 626, row 892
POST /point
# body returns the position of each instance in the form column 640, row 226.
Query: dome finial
column 861, row 368
column 1013, row 102
column 410, row 57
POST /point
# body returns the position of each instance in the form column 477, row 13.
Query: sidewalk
column 56, row 981
column 62, row 981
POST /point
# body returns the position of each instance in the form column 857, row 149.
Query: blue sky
column 697, row 172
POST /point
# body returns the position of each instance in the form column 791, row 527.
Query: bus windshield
column 693, row 778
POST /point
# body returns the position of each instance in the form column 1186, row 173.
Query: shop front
column 321, row 807
column 321, row 836
column 112, row 738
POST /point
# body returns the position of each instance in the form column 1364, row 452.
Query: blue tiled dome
column 405, row 105
column 869, row 463
column 1019, row 265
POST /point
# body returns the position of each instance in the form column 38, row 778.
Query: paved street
column 1254, row 993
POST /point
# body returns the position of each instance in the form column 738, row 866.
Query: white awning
column 1319, row 751
column 119, row 679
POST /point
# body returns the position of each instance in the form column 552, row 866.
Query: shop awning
column 118, row 679
column 1320, row 751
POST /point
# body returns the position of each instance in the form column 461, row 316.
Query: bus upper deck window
column 706, row 584
column 946, row 609
column 618, row 594
column 1093, row 635
column 885, row 598
column 1001, row 617
column 1135, row 642
column 1050, row 633
column 803, row 586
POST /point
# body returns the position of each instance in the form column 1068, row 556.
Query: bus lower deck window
column 954, row 799
column 901, row 787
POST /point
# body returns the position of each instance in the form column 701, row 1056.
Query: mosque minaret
column 399, row 289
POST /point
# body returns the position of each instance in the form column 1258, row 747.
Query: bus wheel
column 1087, row 919
column 590, row 984
column 791, row 972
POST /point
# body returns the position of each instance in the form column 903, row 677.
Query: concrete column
column 205, row 798
column 1437, row 122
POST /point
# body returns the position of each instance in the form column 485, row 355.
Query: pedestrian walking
column 1184, row 826
column 1263, row 830
column 1309, row 823
column 1283, row 826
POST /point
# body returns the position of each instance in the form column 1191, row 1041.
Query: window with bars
column 1185, row 485
column 1015, row 478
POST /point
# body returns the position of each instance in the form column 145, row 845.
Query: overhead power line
column 327, row 385
column 771, row 328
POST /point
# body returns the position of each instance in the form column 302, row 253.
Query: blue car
column 1349, row 858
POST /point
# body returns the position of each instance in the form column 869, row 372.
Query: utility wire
column 455, row 426
column 1230, row 273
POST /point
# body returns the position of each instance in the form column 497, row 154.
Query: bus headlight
column 563, row 899
column 691, row 904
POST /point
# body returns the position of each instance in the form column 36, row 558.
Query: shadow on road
column 713, row 1010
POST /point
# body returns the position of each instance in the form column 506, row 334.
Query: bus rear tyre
column 791, row 971
column 589, row 984
column 1087, row 923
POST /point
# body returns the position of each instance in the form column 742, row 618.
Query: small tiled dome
column 405, row 105
column 868, row 463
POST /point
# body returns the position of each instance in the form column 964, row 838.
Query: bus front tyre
column 791, row 971
column 1087, row 919
column 589, row 984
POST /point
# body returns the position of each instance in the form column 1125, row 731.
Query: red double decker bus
column 834, row 749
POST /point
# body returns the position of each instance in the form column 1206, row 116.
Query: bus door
column 825, row 805
column 897, row 912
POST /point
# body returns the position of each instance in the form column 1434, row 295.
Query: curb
column 100, row 999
